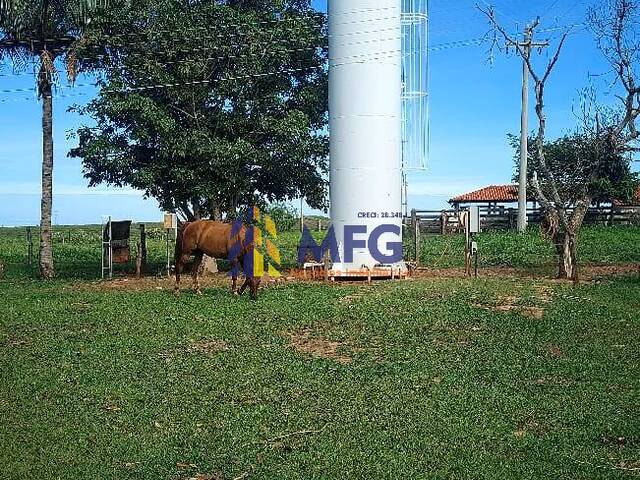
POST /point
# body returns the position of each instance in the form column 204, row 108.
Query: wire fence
column 598, row 245
column 77, row 250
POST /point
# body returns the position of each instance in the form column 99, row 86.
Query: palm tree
column 45, row 32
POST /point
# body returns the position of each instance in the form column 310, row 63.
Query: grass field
column 425, row 378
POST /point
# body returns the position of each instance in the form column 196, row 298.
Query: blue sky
column 473, row 105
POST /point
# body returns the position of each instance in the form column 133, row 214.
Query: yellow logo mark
column 273, row 253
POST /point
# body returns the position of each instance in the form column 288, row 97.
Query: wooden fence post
column 143, row 245
column 138, row 260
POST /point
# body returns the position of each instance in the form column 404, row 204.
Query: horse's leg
column 234, row 277
column 247, row 282
column 255, row 283
column 179, row 266
column 194, row 272
column 236, row 263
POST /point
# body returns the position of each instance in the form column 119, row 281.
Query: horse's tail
column 180, row 242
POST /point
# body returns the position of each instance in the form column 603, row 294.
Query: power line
column 224, row 26
column 246, row 55
column 441, row 46
column 385, row 55
column 388, row 54
column 220, row 47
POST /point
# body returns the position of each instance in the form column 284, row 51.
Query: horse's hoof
column 235, row 293
column 198, row 292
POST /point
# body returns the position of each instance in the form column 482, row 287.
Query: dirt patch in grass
column 131, row 283
column 587, row 272
column 532, row 312
column 552, row 380
column 530, row 426
column 207, row 476
column 543, row 293
column 555, row 351
column 208, row 347
column 302, row 341
column 594, row 271
column 510, row 303
column 353, row 297
column 16, row 342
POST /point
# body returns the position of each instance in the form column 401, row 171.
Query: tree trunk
column 570, row 244
column 46, row 204
column 197, row 215
column 216, row 213
column 567, row 250
column 569, row 260
column 558, row 242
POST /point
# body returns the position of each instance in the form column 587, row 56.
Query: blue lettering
column 350, row 243
column 308, row 244
column 395, row 247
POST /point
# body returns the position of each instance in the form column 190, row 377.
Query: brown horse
column 215, row 239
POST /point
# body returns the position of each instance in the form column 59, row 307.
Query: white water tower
column 365, row 108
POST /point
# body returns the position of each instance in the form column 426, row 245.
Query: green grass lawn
column 492, row 378
column 416, row 379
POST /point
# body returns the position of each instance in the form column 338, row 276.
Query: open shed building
column 495, row 198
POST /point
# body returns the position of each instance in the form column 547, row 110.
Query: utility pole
column 525, row 51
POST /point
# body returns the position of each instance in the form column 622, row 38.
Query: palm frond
column 45, row 30
column 48, row 71
column 72, row 63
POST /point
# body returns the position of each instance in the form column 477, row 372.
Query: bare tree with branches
column 607, row 135
column 615, row 25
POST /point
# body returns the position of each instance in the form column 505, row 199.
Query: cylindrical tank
column 365, row 123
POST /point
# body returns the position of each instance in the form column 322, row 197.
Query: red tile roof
column 509, row 193
column 492, row 193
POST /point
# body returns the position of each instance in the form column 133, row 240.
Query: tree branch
column 556, row 202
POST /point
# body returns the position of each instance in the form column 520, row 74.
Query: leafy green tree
column 586, row 168
column 581, row 164
column 285, row 216
column 209, row 106
column 46, row 31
